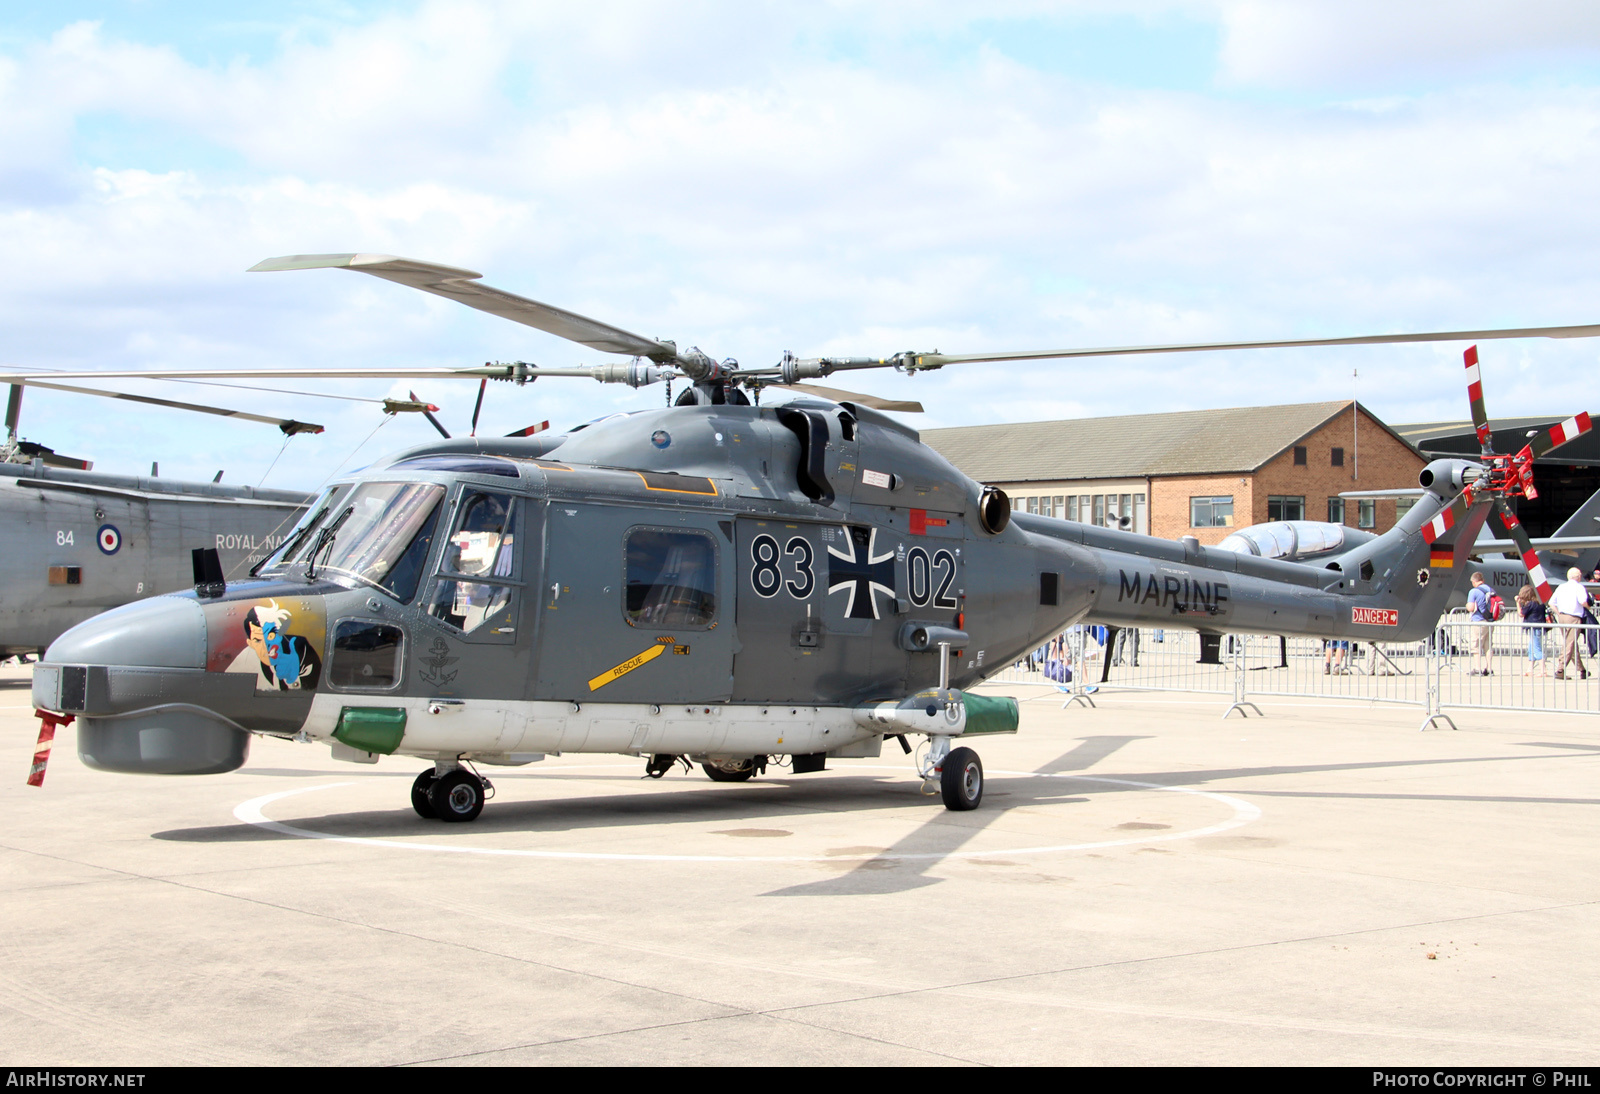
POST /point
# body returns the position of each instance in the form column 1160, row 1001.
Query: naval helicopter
column 714, row 581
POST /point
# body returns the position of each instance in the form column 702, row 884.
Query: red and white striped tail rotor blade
column 1530, row 557
column 1558, row 435
column 1480, row 417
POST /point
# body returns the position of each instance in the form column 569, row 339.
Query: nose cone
column 163, row 632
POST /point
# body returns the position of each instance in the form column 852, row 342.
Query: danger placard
column 1381, row 617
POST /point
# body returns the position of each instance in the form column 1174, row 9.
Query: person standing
column 1478, row 601
column 1534, row 618
column 1569, row 602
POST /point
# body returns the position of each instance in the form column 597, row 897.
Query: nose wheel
column 419, row 795
column 457, row 795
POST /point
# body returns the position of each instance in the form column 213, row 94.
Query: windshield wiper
column 325, row 539
column 287, row 549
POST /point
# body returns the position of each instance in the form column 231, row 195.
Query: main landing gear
column 958, row 771
column 456, row 794
column 735, row 771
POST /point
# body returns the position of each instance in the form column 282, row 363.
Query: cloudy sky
column 752, row 178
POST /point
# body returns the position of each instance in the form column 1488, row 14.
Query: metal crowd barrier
column 1442, row 672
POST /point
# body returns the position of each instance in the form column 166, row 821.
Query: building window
column 1366, row 513
column 1299, row 455
column 1338, row 457
column 1139, row 522
column 1336, row 510
column 1402, row 506
column 1072, row 508
column 1286, row 508
column 1099, row 510
column 1211, row 512
column 1060, row 507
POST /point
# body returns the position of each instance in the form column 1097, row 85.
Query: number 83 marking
column 766, row 576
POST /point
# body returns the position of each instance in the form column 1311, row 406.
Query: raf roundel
column 110, row 539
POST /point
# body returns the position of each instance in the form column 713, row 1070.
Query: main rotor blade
column 461, row 286
column 516, row 371
column 839, row 395
column 939, row 360
column 427, row 413
column 289, row 426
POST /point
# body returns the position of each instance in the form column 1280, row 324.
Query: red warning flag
column 48, row 722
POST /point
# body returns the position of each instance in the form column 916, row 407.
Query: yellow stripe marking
column 626, row 667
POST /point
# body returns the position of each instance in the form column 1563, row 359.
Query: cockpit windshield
column 380, row 535
column 299, row 540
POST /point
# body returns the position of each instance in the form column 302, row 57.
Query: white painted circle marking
column 251, row 812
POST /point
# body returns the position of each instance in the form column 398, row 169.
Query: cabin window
column 1049, row 590
column 1211, row 512
column 1286, row 508
column 671, row 578
column 366, row 655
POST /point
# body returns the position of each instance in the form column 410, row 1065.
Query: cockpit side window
column 484, row 541
column 482, row 546
column 671, row 578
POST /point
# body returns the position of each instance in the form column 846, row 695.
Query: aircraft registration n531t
column 713, row 581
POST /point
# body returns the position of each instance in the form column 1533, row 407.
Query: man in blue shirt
column 1478, row 601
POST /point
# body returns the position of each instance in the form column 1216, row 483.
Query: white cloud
column 727, row 183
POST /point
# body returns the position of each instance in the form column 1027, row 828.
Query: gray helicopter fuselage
column 75, row 543
column 713, row 581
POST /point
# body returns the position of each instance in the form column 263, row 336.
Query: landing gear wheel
column 419, row 795
column 457, row 796
column 961, row 780
column 731, row 771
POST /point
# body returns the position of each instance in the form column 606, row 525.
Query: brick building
column 1197, row 472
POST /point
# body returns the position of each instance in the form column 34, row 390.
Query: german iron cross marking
column 861, row 575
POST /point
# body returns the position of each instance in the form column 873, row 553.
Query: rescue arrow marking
column 626, row 667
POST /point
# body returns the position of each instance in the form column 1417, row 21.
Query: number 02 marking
column 920, row 572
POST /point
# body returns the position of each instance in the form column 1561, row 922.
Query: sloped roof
column 1460, row 438
column 1187, row 442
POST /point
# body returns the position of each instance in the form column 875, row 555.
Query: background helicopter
column 75, row 542
column 714, row 581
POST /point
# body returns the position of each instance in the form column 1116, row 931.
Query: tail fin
column 1414, row 566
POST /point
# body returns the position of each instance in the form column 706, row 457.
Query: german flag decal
column 1442, row 558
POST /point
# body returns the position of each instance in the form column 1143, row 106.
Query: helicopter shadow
column 888, row 873
column 768, row 800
